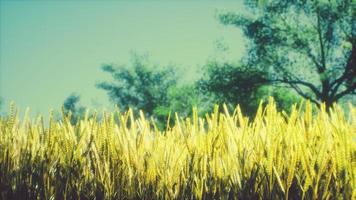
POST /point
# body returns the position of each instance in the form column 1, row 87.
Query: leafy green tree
column 238, row 84
column 71, row 107
column 309, row 46
column 141, row 86
column 232, row 84
column 182, row 100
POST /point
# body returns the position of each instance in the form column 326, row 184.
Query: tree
column 141, row 86
column 232, row 84
column 182, row 100
column 309, row 46
column 71, row 107
column 238, row 84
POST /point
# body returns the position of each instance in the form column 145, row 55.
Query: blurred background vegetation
column 295, row 50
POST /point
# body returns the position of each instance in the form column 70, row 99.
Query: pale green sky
column 50, row 49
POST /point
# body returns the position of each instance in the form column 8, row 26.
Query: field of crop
column 305, row 155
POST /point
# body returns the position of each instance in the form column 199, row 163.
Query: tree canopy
column 232, row 84
column 71, row 107
column 142, row 86
column 309, row 46
column 239, row 84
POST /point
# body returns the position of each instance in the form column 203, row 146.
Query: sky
column 50, row 49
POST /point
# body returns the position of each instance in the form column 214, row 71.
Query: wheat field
column 308, row 154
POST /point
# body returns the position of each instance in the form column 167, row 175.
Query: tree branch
column 348, row 73
column 349, row 90
column 301, row 93
column 314, row 59
column 300, row 82
column 321, row 43
column 307, row 49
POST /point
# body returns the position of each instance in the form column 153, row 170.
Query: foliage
column 222, row 156
column 71, row 108
column 307, row 45
column 238, row 84
column 284, row 97
column 181, row 99
column 141, row 86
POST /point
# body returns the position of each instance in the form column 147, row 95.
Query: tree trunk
column 326, row 98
